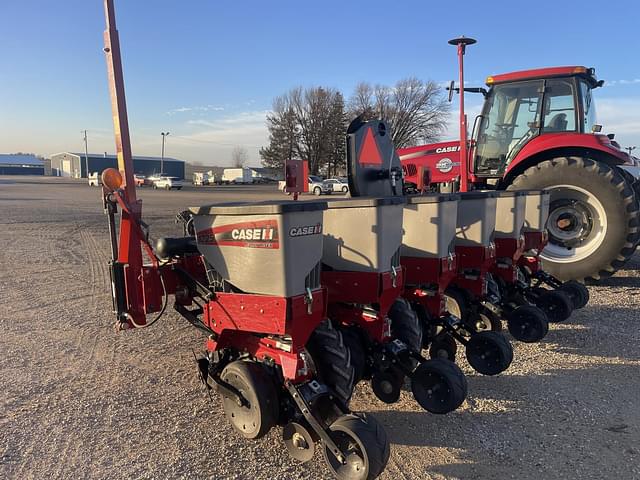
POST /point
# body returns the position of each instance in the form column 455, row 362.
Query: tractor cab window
column 588, row 107
column 510, row 118
column 559, row 106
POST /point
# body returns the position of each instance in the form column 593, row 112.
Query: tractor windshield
column 511, row 116
column 514, row 113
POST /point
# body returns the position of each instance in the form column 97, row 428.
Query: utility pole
column 164, row 135
column 630, row 149
column 86, row 154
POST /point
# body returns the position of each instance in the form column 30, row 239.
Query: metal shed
column 72, row 164
column 20, row 165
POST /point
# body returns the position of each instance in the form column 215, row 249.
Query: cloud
column 620, row 116
column 614, row 83
column 198, row 108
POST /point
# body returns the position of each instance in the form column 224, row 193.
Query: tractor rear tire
column 588, row 247
column 332, row 360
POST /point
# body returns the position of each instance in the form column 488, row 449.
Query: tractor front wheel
column 594, row 216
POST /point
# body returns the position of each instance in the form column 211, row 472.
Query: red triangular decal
column 369, row 153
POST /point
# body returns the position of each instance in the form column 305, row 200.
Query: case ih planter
column 537, row 130
column 247, row 275
column 364, row 280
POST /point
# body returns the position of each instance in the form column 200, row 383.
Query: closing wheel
column 259, row 411
column 387, row 384
column 489, row 353
column 456, row 303
column 556, row 304
column 485, row 320
column 299, row 441
column 364, row 444
column 443, row 346
column 528, row 323
column 578, row 293
column 332, row 359
column 439, row 386
column 593, row 216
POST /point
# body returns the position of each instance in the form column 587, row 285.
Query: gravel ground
column 79, row 400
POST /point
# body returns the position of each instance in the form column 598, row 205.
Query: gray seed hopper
column 536, row 210
column 510, row 213
column 363, row 234
column 476, row 219
column 429, row 225
column 269, row 248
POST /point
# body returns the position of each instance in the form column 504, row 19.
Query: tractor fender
column 552, row 145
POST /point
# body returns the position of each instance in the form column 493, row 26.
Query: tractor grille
column 410, row 170
column 312, row 280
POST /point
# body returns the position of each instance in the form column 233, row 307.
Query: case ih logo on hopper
column 262, row 234
column 306, row 230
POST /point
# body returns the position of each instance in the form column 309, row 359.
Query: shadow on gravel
column 514, row 425
column 599, row 333
column 629, row 282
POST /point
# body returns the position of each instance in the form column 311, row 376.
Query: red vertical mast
column 461, row 43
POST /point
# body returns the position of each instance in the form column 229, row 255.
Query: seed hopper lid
column 433, row 198
column 511, row 193
column 477, row 195
column 361, row 202
column 535, row 192
column 258, row 208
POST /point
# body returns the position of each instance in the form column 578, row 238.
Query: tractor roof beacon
column 538, row 130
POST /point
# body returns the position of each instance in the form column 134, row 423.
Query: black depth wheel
column 556, row 304
column 363, row 441
column 439, row 386
column 332, row 359
column 489, row 353
column 443, row 346
column 528, row 323
column 578, row 293
column 255, row 418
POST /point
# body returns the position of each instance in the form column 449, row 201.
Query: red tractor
column 537, row 130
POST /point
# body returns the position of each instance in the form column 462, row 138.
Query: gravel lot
column 79, row 400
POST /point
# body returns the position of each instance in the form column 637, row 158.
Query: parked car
column 200, row 178
column 94, row 179
column 140, row 180
column 167, row 182
column 318, row 187
column 337, row 185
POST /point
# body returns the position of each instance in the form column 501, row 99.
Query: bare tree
column 239, row 157
column 416, row 111
column 307, row 124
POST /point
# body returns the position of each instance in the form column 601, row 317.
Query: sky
column 207, row 71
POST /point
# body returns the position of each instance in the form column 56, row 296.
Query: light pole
column 86, row 155
column 630, row 149
column 164, row 135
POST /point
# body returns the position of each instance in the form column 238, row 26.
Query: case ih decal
column 262, row 234
column 305, row 230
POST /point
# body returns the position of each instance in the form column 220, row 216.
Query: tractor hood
column 441, row 159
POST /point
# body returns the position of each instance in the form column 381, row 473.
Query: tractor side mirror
column 451, row 88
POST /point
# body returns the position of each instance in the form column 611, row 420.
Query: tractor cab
column 523, row 105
